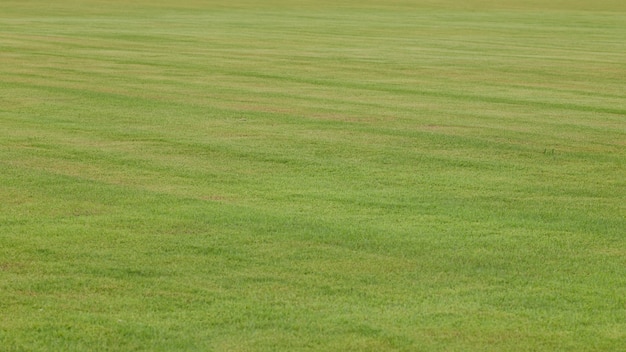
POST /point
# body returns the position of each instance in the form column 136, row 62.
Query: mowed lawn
column 312, row 175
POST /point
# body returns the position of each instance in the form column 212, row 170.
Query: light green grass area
column 314, row 175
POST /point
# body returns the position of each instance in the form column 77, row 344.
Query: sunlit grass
column 329, row 176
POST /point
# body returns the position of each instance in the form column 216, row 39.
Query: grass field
column 315, row 175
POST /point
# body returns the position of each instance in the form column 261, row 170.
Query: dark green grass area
column 195, row 175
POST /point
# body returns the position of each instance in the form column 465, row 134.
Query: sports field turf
column 312, row 175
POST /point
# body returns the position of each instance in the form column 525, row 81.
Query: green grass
column 354, row 175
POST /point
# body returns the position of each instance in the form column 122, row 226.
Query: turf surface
column 313, row 175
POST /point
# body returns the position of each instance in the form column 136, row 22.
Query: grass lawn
column 315, row 175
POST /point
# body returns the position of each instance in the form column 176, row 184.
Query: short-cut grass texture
column 312, row 175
